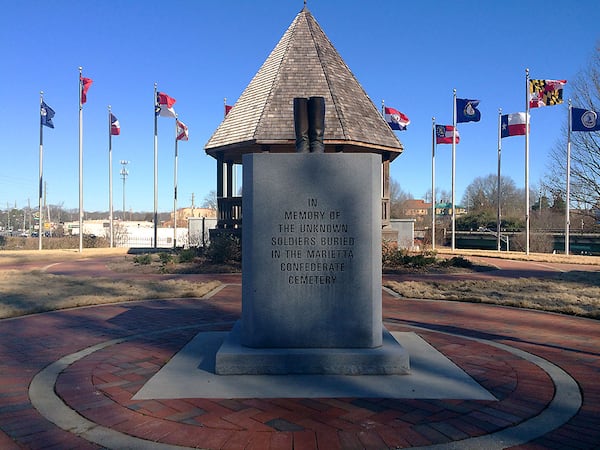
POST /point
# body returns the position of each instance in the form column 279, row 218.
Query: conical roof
column 303, row 64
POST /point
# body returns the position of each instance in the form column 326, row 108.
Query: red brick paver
column 101, row 386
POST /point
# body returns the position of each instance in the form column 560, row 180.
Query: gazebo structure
column 303, row 64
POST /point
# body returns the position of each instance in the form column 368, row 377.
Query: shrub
column 143, row 260
column 225, row 248
column 165, row 258
column 459, row 261
column 187, row 255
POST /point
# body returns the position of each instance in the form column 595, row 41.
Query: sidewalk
column 532, row 362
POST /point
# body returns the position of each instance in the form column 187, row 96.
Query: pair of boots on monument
column 309, row 123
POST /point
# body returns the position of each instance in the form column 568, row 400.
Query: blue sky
column 411, row 54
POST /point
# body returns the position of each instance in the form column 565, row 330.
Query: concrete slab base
column 235, row 359
column 191, row 374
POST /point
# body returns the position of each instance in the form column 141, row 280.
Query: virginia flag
column 46, row 115
column 115, row 127
column 466, row 110
column 545, row 92
column 182, row 131
column 584, row 120
column 164, row 105
column 85, row 85
column 443, row 134
column 396, row 119
column 513, row 124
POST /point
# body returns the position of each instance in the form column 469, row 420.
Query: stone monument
column 311, row 263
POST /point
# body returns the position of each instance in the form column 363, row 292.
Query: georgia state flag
column 396, row 119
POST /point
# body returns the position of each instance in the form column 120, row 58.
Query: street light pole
column 124, row 172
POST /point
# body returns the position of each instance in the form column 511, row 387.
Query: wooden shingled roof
column 303, row 64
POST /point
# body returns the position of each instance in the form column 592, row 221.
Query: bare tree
column 482, row 196
column 585, row 147
column 397, row 197
column 210, row 201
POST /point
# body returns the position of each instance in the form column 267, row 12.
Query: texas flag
column 443, row 134
column 115, row 127
column 513, row 124
column 396, row 119
column 164, row 105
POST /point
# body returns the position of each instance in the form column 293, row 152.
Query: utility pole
column 124, row 172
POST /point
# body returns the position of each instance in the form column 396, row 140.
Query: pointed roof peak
column 304, row 63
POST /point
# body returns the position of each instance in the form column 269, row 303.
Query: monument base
column 235, row 359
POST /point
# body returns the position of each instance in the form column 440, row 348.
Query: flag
column 85, row 85
column 164, row 105
column 443, row 134
column 545, row 92
column 227, row 109
column 46, row 115
column 584, row 120
column 466, row 110
column 115, row 127
column 513, row 124
column 182, row 131
column 395, row 119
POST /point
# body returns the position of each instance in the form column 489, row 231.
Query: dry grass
column 27, row 292
column 575, row 293
column 520, row 256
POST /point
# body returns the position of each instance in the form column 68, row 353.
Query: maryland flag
column 545, row 92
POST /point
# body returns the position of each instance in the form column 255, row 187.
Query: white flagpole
column 175, row 190
column 110, row 181
column 80, row 165
column 568, row 194
column 453, row 170
column 498, row 221
column 40, row 209
column 527, row 161
column 155, row 167
column 433, row 183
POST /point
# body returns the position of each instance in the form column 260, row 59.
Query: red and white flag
column 513, row 124
column 164, row 105
column 396, row 119
column 115, row 127
column 443, row 134
column 85, row 85
column 182, row 131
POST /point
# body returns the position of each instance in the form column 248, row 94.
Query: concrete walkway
column 68, row 380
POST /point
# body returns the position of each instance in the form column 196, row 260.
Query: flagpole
column 175, row 191
column 155, row 167
column 224, row 106
column 40, row 210
column 498, row 221
column 453, row 170
column 80, row 164
column 568, row 194
column 433, row 183
column 527, row 161
column 110, row 180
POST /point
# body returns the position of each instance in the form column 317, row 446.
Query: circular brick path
column 490, row 343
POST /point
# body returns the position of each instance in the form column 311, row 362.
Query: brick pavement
column 101, row 385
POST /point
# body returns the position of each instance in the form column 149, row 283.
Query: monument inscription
column 312, row 245
column 311, row 251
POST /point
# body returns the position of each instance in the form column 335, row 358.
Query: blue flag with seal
column 584, row 120
column 466, row 110
column 46, row 115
